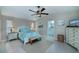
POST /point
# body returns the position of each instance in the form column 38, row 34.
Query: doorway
column 51, row 30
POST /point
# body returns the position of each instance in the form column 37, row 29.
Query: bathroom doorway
column 51, row 30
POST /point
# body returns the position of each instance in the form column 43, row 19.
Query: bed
column 25, row 34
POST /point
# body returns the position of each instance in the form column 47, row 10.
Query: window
column 32, row 26
column 9, row 26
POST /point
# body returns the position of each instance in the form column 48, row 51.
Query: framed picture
column 60, row 22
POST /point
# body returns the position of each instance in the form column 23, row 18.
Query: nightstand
column 60, row 38
column 12, row 36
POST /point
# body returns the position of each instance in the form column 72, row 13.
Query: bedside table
column 12, row 36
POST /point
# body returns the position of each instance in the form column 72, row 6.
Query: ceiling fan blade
column 45, row 13
column 31, row 10
column 42, row 9
column 38, row 6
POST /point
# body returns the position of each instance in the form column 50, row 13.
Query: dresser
column 12, row 36
column 72, row 36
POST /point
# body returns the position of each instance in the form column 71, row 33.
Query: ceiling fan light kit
column 39, row 12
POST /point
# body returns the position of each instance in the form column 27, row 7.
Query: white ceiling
column 22, row 11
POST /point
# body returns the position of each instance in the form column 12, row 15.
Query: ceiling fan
column 39, row 12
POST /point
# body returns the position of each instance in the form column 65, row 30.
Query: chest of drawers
column 72, row 36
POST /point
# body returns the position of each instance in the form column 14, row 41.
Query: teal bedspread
column 25, row 33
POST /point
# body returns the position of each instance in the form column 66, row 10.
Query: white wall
column 17, row 21
column 42, row 30
column 0, row 26
column 66, row 17
column 56, row 17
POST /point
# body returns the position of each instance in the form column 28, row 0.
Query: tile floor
column 59, row 47
column 42, row 46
